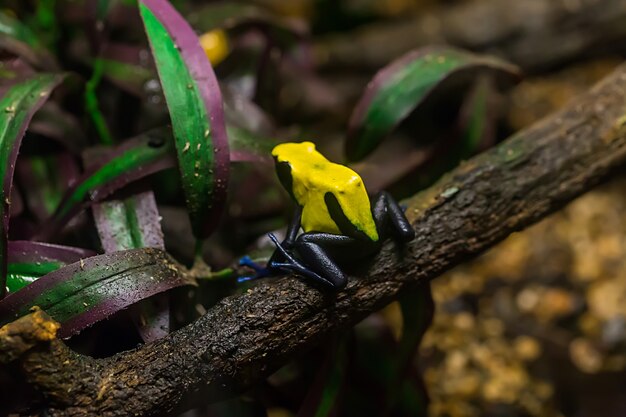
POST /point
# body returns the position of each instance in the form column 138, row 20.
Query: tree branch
column 246, row 337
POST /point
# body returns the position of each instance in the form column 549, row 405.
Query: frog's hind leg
column 390, row 218
column 329, row 277
column 318, row 251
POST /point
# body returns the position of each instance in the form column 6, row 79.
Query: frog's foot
column 247, row 261
column 260, row 272
column 272, row 268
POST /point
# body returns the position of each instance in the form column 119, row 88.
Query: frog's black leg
column 277, row 257
column 312, row 249
column 290, row 264
column 292, row 234
column 318, row 251
column 390, row 218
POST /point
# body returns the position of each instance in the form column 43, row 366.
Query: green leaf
column 46, row 178
column 85, row 292
column 21, row 274
column 9, row 26
column 134, row 159
column 417, row 313
column 134, row 223
column 404, row 85
column 195, row 104
column 245, row 146
column 18, row 103
column 17, row 38
column 29, row 260
column 324, row 392
column 131, row 223
column 126, row 75
column 477, row 118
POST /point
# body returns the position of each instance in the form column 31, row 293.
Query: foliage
column 160, row 177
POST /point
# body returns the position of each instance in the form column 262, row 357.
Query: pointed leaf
column 18, row 103
column 134, row 223
column 323, row 394
column 17, row 38
column 46, row 178
column 240, row 111
column 417, row 313
column 30, row 260
column 127, row 66
column 53, row 122
column 478, row 117
column 195, row 104
column 134, row 159
column 405, row 84
column 131, row 223
column 85, row 292
column 245, row 146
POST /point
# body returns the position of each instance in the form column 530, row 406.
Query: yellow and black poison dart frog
column 334, row 211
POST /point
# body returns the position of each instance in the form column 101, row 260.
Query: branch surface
column 246, row 337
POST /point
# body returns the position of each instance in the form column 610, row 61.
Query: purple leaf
column 407, row 83
column 152, row 317
column 135, row 159
column 53, row 122
column 129, row 67
column 248, row 147
column 17, row 38
column 18, row 103
column 46, row 178
column 26, row 251
column 28, row 261
column 324, row 394
column 131, row 224
column 195, row 103
column 85, row 292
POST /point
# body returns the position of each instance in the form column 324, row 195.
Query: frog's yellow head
column 292, row 156
column 291, row 151
column 315, row 182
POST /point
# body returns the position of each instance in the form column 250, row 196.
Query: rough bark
column 245, row 337
column 534, row 34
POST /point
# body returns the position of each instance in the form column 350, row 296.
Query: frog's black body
column 314, row 254
column 317, row 253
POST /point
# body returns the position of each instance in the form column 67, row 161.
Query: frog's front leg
column 390, row 219
column 277, row 257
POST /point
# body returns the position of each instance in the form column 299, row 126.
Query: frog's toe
column 247, row 261
column 260, row 272
column 247, row 278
